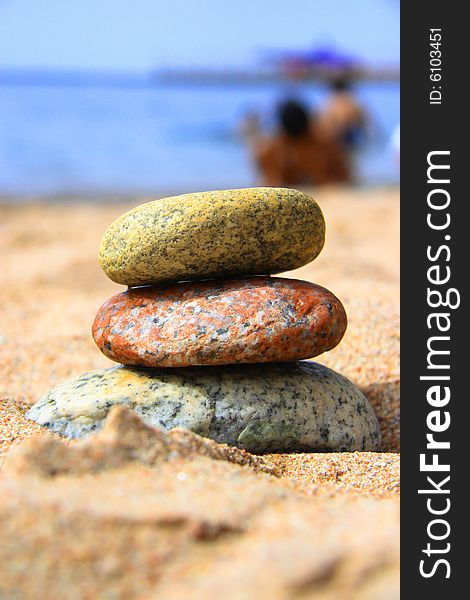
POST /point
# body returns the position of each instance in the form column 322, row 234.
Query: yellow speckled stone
column 212, row 234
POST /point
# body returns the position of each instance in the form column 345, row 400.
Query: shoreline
column 110, row 197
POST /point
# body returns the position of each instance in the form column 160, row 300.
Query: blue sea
column 152, row 139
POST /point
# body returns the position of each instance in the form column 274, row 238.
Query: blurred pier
column 238, row 77
column 194, row 76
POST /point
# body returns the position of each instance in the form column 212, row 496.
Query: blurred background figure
column 343, row 118
column 296, row 154
column 395, row 144
column 250, row 128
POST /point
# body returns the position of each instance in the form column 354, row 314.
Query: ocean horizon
column 150, row 139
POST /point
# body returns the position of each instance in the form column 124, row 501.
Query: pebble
column 253, row 320
column 281, row 407
column 253, row 231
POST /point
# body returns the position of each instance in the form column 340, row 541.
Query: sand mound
column 143, row 513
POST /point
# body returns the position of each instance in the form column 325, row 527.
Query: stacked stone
column 208, row 339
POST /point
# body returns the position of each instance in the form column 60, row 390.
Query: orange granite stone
column 251, row 320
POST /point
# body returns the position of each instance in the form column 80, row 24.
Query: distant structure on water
column 318, row 64
column 321, row 64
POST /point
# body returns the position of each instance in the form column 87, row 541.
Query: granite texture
column 213, row 234
column 260, row 408
column 253, row 320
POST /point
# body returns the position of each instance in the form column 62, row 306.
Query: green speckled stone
column 213, row 234
column 279, row 407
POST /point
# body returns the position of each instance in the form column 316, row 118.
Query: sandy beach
column 53, row 286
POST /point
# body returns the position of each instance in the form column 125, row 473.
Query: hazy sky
column 141, row 34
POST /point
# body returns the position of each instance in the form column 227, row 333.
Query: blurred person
column 343, row 118
column 296, row 154
column 249, row 129
column 395, row 144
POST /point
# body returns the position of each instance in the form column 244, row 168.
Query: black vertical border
column 426, row 128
